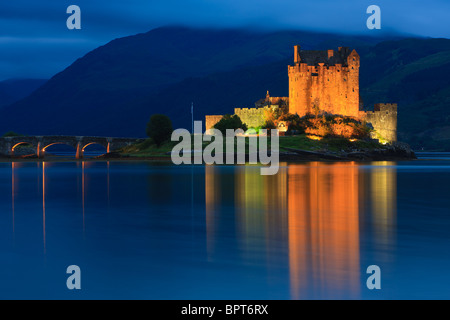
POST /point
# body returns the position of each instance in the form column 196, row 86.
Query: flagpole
column 192, row 116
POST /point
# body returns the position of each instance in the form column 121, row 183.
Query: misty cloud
column 35, row 42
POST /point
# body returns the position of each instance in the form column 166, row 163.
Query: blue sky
column 35, row 42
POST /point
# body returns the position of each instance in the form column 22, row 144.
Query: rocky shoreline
column 392, row 152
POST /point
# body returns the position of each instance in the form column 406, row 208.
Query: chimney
column 296, row 54
column 330, row 53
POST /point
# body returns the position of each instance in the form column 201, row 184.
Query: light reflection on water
column 142, row 230
column 315, row 210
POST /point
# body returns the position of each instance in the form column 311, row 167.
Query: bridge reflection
column 315, row 210
column 47, row 188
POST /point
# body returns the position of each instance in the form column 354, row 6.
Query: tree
column 230, row 122
column 159, row 128
column 12, row 134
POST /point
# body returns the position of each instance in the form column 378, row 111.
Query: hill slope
column 13, row 90
column 114, row 89
column 95, row 93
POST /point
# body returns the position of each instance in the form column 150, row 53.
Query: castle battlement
column 304, row 69
column 248, row 110
column 388, row 107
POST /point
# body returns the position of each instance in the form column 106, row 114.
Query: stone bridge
column 79, row 143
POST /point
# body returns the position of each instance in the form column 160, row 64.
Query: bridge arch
column 42, row 150
column 80, row 143
column 94, row 143
column 56, row 143
column 22, row 143
column 106, row 147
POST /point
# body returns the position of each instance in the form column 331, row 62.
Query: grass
column 149, row 149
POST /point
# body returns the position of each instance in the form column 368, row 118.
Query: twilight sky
column 35, row 42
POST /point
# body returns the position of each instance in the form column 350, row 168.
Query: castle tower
column 325, row 80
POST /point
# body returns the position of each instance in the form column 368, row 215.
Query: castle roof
column 314, row 57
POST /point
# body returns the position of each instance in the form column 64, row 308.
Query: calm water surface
column 148, row 231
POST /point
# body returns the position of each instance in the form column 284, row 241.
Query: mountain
column 128, row 77
column 414, row 74
column 113, row 90
column 13, row 90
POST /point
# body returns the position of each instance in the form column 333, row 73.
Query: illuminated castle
column 323, row 81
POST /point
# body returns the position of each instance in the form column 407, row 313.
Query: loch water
column 146, row 230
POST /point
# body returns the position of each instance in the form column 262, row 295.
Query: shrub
column 230, row 122
column 269, row 125
column 335, row 126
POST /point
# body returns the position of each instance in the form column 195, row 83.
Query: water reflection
column 323, row 229
column 13, row 192
column 317, row 209
column 306, row 232
column 83, row 193
column 43, row 203
column 383, row 196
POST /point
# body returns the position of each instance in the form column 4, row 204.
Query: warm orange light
column 314, row 137
column 18, row 144
column 52, row 144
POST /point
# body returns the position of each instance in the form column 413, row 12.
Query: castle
column 325, row 81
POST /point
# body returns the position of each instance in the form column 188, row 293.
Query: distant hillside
column 95, row 93
column 13, row 90
column 114, row 89
column 413, row 73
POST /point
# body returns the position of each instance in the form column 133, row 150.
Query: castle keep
column 323, row 81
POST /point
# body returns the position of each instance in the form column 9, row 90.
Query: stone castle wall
column 332, row 88
column 384, row 121
column 210, row 121
column 252, row 117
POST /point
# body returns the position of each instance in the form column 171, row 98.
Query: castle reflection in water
column 309, row 231
column 317, row 209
